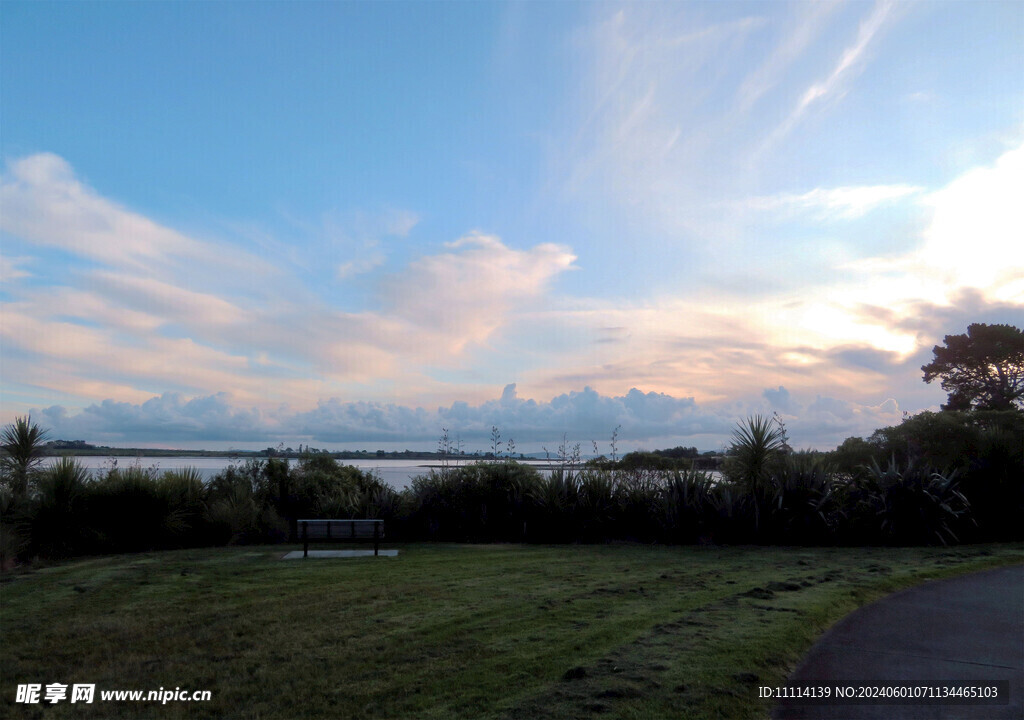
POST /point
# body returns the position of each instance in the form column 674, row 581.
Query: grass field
column 444, row 631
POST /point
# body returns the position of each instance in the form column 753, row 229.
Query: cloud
column 645, row 420
column 845, row 203
column 351, row 268
column 462, row 296
column 41, row 201
column 780, row 399
column 639, row 135
column 153, row 309
column 457, row 321
column 866, row 356
column 11, row 268
column 851, row 62
column 362, row 238
column 797, row 36
column 662, row 142
column 975, row 236
column 400, row 223
column 586, row 414
column 971, row 241
column 168, row 417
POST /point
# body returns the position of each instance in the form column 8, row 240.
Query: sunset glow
column 354, row 224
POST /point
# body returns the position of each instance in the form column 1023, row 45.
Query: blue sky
column 358, row 223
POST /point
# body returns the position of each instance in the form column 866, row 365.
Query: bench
column 313, row 530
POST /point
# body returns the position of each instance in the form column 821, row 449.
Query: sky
column 359, row 224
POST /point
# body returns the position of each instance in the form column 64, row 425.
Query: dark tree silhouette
column 981, row 370
column 22, row 444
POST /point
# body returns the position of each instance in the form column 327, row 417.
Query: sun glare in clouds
column 976, row 238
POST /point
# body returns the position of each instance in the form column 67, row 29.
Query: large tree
column 981, row 370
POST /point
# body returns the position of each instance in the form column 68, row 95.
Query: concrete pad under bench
column 297, row 554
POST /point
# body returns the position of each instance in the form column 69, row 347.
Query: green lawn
column 444, row 631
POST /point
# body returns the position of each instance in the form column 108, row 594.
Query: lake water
column 396, row 473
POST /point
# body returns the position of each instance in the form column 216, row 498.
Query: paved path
column 964, row 630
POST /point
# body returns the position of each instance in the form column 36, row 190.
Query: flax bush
column 60, row 522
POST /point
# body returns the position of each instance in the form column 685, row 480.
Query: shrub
column 127, row 510
column 557, row 507
column 993, row 484
column 15, row 528
column 240, row 507
column 637, row 504
column 906, row 506
column 806, row 501
column 597, row 511
column 60, row 524
column 490, row 502
column 687, row 507
column 185, row 495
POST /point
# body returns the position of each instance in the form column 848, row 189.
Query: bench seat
column 337, row 530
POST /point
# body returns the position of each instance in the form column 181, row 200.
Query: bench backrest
column 331, row 529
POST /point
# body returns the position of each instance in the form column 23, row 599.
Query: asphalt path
column 964, row 631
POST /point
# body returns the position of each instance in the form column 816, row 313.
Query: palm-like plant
column 757, row 450
column 22, row 443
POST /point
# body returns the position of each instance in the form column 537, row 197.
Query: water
column 396, row 473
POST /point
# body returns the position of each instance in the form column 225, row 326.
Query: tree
column 22, row 443
column 758, row 450
column 981, row 370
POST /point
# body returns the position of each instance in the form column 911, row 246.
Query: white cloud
column 11, row 268
column 639, row 132
column 169, row 311
column 661, row 139
column 846, row 203
column 41, row 201
column 351, row 268
column 462, row 296
column 976, row 235
column 808, row 23
column 972, row 241
column 400, row 223
column 851, row 62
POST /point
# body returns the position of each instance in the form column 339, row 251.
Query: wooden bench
column 315, row 530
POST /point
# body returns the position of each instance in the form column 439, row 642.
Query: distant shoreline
column 264, row 454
